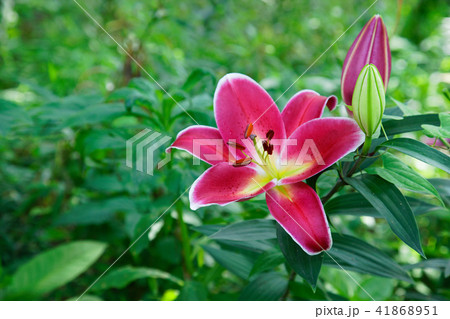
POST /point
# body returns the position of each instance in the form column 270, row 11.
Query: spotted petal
column 224, row 183
column 203, row 142
column 238, row 101
column 298, row 209
column 304, row 106
column 317, row 145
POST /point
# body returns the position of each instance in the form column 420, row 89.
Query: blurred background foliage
column 70, row 98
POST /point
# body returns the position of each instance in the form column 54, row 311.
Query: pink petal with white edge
column 319, row 143
column 224, row 183
column 238, row 101
column 304, row 106
column 204, row 142
column 298, row 209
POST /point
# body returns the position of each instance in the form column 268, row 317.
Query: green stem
column 444, row 141
column 185, row 241
column 362, row 157
column 290, row 279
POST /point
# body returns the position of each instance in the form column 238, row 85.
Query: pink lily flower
column 257, row 149
column 371, row 46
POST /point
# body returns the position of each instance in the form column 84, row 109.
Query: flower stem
column 362, row 157
column 185, row 242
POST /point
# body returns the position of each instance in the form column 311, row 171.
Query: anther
column 270, row 134
column 236, row 145
column 270, row 149
column 248, row 130
column 242, row 162
column 265, row 145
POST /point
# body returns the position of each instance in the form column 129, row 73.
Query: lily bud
column 371, row 46
column 369, row 100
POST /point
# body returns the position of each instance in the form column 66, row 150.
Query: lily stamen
column 242, row 162
column 236, row 145
column 248, row 130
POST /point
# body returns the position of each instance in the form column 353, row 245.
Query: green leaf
column 12, row 115
column 392, row 205
column 355, row 204
column 306, row 266
column 267, row 261
column 53, row 268
column 122, row 277
column 195, row 77
column 193, row 291
column 409, row 123
column 353, row 254
column 400, row 174
column 378, row 288
column 420, row 151
column 96, row 212
column 256, row 229
column 442, row 131
column 86, row 297
column 443, row 187
column 266, row 287
column 236, row 263
column 442, row 264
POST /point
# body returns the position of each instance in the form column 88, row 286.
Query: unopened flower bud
column 369, row 100
column 371, row 46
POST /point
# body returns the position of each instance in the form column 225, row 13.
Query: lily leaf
column 257, row 229
column 353, row 254
column 306, row 266
column 409, row 123
column 237, row 263
column 266, row 287
column 392, row 205
column 355, row 204
column 442, row 131
column 53, row 268
column 403, row 176
column 420, row 151
column 267, row 261
column 121, row 277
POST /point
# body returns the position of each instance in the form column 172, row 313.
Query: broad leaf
column 443, row 264
column 353, row 254
column 53, row 268
column 237, row 263
column 256, row 229
column 400, row 174
column 266, row 287
column 410, row 123
column 377, row 288
column 95, row 212
column 123, row 276
column 442, row 131
column 267, row 261
column 392, row 205
column 356, row 204
column 420, row 151
column 306, row 266
column 193, row 291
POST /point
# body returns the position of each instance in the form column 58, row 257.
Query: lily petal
column 317, row 145
column 223, row 184
column 239, row 101
column 298, row 209
column 204, row 142
column 304, row 106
